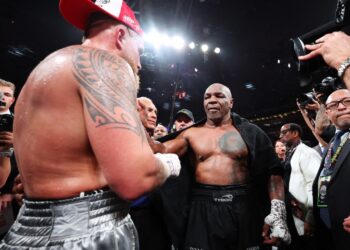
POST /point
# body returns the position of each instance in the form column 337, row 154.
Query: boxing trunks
column 213, row 222
column 95, row 220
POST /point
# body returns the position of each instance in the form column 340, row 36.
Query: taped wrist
column 170, row 163
column 277, row 219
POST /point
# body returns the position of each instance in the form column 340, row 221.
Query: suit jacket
column 305, row 164
column 338, row 200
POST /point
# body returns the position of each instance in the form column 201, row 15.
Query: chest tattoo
column 231, row 142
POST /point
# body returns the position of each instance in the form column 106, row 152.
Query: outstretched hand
column 333, row 47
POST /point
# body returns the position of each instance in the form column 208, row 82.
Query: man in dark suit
column 331, row 188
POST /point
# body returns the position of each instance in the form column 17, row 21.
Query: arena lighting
column 217, row 50
column 191, row 45
column 154, row 38
column 204, row 47
column 159, row 40
column 177, row 42
column 278, row 61
column 195, row 70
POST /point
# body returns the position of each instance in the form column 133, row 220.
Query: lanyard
column 330, row 160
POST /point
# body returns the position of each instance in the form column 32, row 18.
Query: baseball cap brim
column 77, row 12
column 185, row 112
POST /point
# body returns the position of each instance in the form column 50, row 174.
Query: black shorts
column 213, row 222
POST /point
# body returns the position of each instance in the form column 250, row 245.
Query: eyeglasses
column 334, row 105
column 283, row 132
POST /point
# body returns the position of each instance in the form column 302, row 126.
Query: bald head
column 338, row 108
column 336, row 94
column 148, row 113
column 218, row 103
column 220, row 87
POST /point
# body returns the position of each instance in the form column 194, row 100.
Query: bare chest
column 214, row 142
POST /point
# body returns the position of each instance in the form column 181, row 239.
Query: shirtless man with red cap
column 80, row 145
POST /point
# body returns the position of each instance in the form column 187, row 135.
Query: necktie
column 337, row 140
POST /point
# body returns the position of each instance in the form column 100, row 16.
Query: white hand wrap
column 171, row 164
column 277, row 219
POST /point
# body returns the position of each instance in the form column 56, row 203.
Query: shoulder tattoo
column 109, row 92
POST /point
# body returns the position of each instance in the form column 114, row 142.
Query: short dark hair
column 8, row 84
column 296, row 127
column 95, row 20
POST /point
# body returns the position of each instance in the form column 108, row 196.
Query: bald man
column 235, row 172
column 331, row 187
column 148, row 114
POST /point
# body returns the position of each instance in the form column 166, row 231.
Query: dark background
column 252, row 36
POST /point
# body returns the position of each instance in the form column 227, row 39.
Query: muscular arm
column 178, row 146
column 108, row 91
column 276, row 187
column 276, row 221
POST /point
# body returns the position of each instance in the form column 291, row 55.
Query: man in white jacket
column 301, row 165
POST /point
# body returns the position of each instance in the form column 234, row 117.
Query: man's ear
column 295, row 133
column 120, row 34
column 13, row 100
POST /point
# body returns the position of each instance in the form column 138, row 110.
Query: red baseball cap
column 77, row 12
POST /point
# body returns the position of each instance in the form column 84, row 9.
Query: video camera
column 6, row 122
column 342, row 19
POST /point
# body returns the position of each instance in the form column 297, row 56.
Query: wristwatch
column 343, row 67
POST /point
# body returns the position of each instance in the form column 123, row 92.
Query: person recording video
column 7, row 98
column 8, row 169
column 312, row 108
column 335, row 50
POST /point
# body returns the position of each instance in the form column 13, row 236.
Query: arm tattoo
column 108, row 87
column 276, row 187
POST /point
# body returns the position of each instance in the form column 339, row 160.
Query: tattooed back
column 52, row 145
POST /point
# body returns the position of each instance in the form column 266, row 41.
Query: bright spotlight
column 195, row 70
column 217, row 50
column 154, row 38
column 204, row 47
column 165, row 40
column 178, row 42
column 191, row 45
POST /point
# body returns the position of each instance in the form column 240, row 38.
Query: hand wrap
column 277, row 219
column 171, row 164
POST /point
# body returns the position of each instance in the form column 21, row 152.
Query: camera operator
column 8, row 170
column 335, row 49
column 312, row 108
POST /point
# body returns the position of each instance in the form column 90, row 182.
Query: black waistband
column 221, row 187
column 218, row 193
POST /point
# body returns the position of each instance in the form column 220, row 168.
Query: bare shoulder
column 98, row 66
column 192, row 132
column 86, row 63
column 108, row 88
